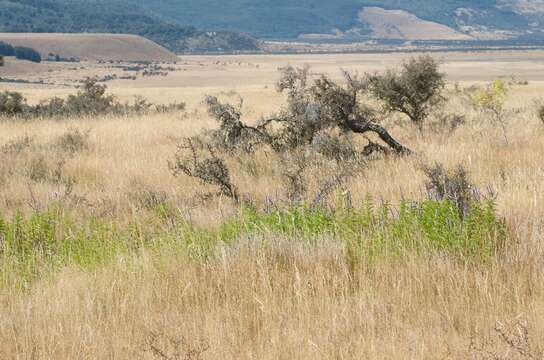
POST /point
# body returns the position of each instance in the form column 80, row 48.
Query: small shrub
column 541, row 113
column 332, row 146
column 16, row 147
column 12, row 103
column 453, row 185
column 197, row 159
column 448, row 123
column 73, row 141
column 51, row 108
column 319, row 120
column 414, row 91
column 492, row 99
column 91, row 99
column 6, row 49
column 38, row 169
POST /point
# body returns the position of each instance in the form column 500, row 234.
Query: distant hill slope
column 114, row 16
column 291, row 18
column 91, row 46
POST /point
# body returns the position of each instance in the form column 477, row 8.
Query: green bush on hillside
column 6, row 49
column 26, row 53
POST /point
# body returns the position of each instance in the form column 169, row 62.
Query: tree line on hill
column 20, row 52
column 116, row 17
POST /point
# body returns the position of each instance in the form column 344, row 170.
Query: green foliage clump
column 414, row 91
column 26, row 53
column 12, row 104
column 451, row 185
column 492, row 100
column 319, row 121
column 49, row 240
column 429, row 226
column 6, row 49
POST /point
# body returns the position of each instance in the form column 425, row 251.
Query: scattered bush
column 448, row 123
column 73, row 141
column 16, row 147
column 90, row 100
column 57, row 58
column 26, row 53
column 12, row 104
column 453, row 185
column 413, row 91
column 199, row 160
column 491, row 100
column 38, row 169
column 320, row 118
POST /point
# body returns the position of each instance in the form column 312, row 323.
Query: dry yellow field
column 91, row 46
column 241, row 304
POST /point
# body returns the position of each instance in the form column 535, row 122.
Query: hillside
column 480, row 19
column 91, row 46
column 118, row 17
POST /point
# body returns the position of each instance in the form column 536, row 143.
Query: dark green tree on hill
column 6, row 49
column 26, row 53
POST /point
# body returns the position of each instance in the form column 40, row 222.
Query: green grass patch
column 47, row 241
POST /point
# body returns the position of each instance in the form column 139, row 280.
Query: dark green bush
column 413, row 91
column 26, row 53
column 12, row 104
column 6, row 49
column 91, row 99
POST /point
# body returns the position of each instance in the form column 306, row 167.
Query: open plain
column 176, row 289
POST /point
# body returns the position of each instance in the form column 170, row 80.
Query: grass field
column 115, row 258
column 91, row 46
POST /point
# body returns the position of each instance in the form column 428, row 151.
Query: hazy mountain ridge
column 483, row 19
column 177, row 24
column 116, row 16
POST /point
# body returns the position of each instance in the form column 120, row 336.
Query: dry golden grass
column 91, row 46
column 271, row 297
column 282, row 300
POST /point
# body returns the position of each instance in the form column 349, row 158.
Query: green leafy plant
column 492, row 100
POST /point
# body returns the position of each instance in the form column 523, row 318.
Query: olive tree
column 317, row 118
column 413, row 91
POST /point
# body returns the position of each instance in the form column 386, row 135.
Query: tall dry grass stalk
column 274, row 298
